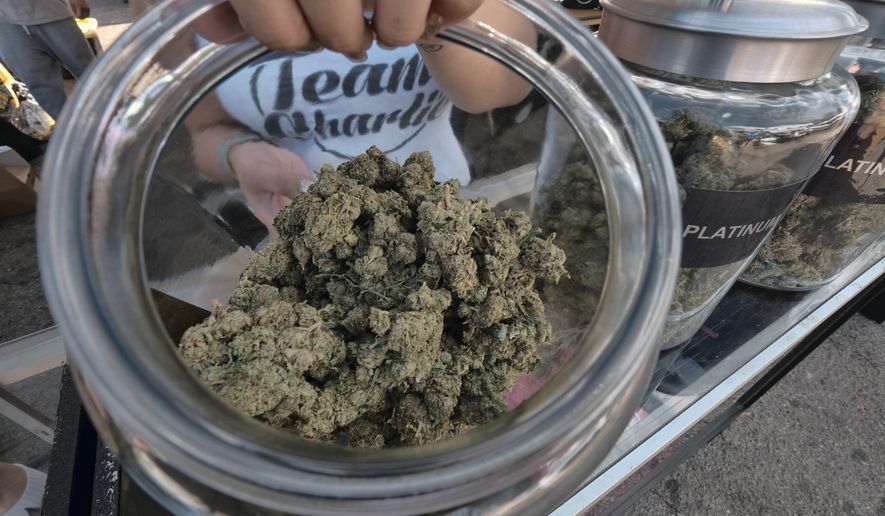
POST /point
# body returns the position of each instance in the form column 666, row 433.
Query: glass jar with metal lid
column 129, row 219
column 841, row 211
column 750, row 103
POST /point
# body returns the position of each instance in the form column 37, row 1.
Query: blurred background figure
column 37, row 38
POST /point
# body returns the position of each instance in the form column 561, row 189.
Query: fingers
column 398, row 23
column 220, row 25
column 278, row 24
column 266, row 206
column 445, row 13
column 279, row 202
column 265, row 210
column 288, row 184
column 339, row 25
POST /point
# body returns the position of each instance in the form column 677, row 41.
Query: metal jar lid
column 763, row 41
column 874, row 12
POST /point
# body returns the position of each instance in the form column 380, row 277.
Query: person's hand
column 269, row 177
column 80, row 8
column 337, row 25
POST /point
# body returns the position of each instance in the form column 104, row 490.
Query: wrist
column 228, row 149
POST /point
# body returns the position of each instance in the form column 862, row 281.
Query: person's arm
column 473, row 81
column 270, row 176
column 228, row 152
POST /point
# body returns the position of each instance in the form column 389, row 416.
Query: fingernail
column 435, row 20
column 385, row 47
column 358, row 58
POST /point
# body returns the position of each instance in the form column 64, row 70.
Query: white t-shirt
column 328, row 109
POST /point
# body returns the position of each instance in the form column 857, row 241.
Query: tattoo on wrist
column 430, row 47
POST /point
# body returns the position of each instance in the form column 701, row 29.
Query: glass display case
column 753, row 338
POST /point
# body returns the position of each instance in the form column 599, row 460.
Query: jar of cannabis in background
column 750, row 104
column 841, row 211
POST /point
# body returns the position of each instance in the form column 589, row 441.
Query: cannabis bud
column 391, row 311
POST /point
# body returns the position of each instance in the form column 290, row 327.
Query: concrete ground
column 814, row 444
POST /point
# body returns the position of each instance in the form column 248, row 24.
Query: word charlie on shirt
column 328, row 109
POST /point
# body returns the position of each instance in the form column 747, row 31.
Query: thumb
column 280, row 202
column 288, row 186
column 293, row 172
column 266, row 211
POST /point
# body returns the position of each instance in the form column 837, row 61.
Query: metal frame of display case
column 23, row 358
column 632, row 470
column 84, row 478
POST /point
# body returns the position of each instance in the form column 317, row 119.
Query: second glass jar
column 744, row 135
column 841, row 212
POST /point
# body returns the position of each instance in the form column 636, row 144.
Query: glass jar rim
column 89, row 253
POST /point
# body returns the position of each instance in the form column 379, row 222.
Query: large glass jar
column 131, row 218
column 841, row 211
column 745, row 125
